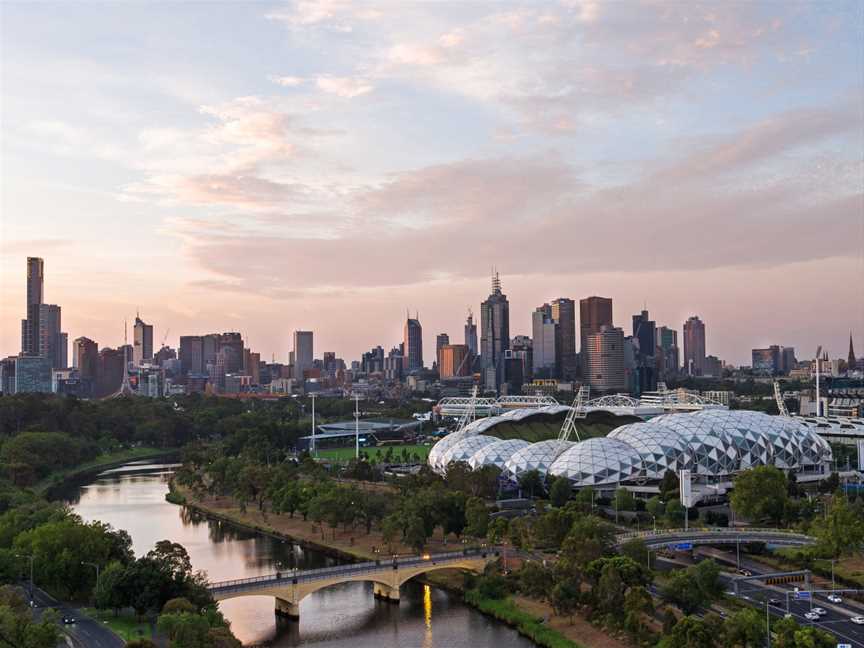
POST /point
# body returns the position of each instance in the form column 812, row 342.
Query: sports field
column 345, row 454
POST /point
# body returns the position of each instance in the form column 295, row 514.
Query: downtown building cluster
column 571, row 344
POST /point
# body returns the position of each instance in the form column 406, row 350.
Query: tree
column 689, row 632
column 535, row 580
column 415, row 533
column 760, row 493
column 391, row 527
column 564, row 597
column 108, row 594
column 589, row 538
column 584, row 500
column 531, row 482
column 674, row 511
column 559, row 491
column 637, row 551
column 17, row 627
column 669, row 486
column 477, row 517
column 624, row 500
column 638, row 604
column 745, row 628
column 655, row 507
column 841, row 531
column 693, row 587
column 497, row 530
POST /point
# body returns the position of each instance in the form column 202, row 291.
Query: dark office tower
column 52, row 341
column 594, row 313
column 192, row 354
column 441, row 340
column 667, row 345
column 471, row 334
column 564, row 313
column 304, row 353
column 233, row 362
column 545, row 336
column 494, row 335
column 645, row 338
column 142, row 336
column 85, row 358
column 644, row 330
column 413, row 344
column 209, row 349
column 35, row 287
column 605, row 353
column 110, row 372
column 851, row 362
column 694, row 346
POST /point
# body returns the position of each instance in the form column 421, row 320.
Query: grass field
column 125, row 624
column 346, row 454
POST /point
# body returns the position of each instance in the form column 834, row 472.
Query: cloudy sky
column 326, row 165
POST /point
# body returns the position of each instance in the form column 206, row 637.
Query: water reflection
column 342, row 616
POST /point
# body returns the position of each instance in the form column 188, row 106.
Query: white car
column 857, row 620
column 834, row 598
column 811, row 616
column 819, row 611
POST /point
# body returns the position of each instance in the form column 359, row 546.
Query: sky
column 328, row 165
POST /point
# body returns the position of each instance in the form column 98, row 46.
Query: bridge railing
column 351, row 568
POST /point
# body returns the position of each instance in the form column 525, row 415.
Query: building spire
column 851, row 362
column 496, row 282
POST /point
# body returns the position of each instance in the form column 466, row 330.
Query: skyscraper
column 441, row 340
column 52, row 341
column 494, row 335
column 453, row 361
column 694, row 346
column 192, row 354
column 142, row 342
column 304, row 353
column 85, row 358
column 594, row 313
column 851, row 362
column 232, row 361
column 545, row 346
column 645, row 352
column 413, row 344
column 564, row 313
column 605, row 353
column 471, row 334
column 35, row 288
column 667, row 345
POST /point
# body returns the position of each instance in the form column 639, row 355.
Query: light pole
column 357, row 427
column 833, row 560
column 738, row 553
column 654, row 519
column 97, row 575
column 314, row 449
column 767, row 624
column 30, row 557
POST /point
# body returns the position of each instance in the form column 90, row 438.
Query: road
column 85, row 632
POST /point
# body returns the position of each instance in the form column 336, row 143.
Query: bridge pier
column 287, row 610
column 384, row 592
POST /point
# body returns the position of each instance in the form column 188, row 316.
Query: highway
column 85, row 632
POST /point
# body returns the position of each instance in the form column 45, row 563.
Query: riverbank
column 524, row 615
column 51, row 486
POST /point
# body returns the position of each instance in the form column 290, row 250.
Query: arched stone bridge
column 387, row 576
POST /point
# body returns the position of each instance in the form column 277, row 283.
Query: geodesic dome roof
column 710, row 450
column 437, row 451
column 660, row 448
column 464, row 449
column 496, row 454
column 537, row 456
column 598, row 462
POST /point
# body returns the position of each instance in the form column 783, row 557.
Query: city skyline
column 582, row 148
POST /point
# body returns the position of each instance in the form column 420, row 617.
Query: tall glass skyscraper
column 494, row 335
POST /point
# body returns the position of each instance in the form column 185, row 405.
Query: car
column 857, row 620
column 834, row 598
column 774, row 601
column 819, row 611
column 745, row 572
column 68, row 620
column 811, row 616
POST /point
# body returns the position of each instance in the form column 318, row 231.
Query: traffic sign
column 802, row 595
column 844, row 645
column 682, row 546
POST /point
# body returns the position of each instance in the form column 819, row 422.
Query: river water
column 342, row 616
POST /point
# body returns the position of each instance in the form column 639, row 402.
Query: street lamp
column 833, row 560
column 30, row 557
column 654, row 519
column 97, row 575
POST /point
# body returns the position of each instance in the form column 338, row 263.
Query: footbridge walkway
column 289, row 588
column 686, row 538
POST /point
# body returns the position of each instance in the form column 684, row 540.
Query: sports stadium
column 713, row 444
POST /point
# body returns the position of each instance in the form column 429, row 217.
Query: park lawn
column 125, row 625
column 106, row 461
column 346, row 454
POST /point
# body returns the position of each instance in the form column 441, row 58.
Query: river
column 345, row 616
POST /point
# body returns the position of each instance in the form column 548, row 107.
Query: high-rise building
column 594, row 313
column 53, row 343
column 494, row 335
column 32, row 374
column 851, row 362
column 441, row 340
column 606, row 360
column 394, row 364
column 669, row 355
column 142, row 342
column 788, row 361
column 304, row 353
column 233, row 360
column 694, row 346
column 564, row 314
column 454, row 361
column 7, row 375
column 471, row 334
column 85, row 358
column 766, row 361
column 35, row 293
column 645, row 354
column 413, row 344
column 110, row 372
column 192, row 354
column 545, row 343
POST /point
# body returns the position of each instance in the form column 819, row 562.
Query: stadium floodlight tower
column 818, row 362
column 778, row 397
column 470, row 412
column 577, row 410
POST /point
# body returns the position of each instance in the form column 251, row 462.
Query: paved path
column 85, row 632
